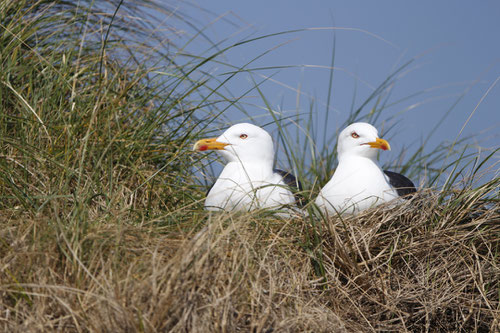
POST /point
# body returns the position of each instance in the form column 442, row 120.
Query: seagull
column 358, row 182
column 248, row 180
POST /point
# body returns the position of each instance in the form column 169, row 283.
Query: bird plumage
column 402, row 184
column 248, row 180
column 358, row 182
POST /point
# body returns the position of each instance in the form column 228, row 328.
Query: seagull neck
column 257, row 167
column 348, row 158
column 263, row 164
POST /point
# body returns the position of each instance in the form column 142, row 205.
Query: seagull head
column 241, row 143
column 360, row 139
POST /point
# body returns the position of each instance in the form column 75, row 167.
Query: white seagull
column 358, row 182
column 248, row 180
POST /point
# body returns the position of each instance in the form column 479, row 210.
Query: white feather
column 358, row 182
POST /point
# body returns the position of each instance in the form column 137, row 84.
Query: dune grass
column 102, row 226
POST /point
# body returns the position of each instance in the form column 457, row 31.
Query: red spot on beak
column 203, row 148
column 379, row 144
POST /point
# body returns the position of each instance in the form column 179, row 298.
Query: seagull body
column 358, row 182
column 248, row 180
column 356, row 185
column 247, row 187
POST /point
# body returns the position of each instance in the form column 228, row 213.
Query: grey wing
column 403, row 185
column 294, row 184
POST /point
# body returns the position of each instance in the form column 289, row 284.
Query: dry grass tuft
column 419, row 267
column 236, row 273
column 400, row 269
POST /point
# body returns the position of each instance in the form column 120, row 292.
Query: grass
column 102, row 226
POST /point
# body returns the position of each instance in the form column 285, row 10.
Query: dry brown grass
column 419, row 267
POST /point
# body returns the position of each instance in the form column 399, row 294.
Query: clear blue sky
column 456, row 46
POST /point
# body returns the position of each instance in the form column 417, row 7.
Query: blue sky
column 455, row 46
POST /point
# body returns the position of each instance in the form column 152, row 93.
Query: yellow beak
column 209, row 144
column 380, row 144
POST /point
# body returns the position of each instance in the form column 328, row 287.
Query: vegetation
column 101, row 220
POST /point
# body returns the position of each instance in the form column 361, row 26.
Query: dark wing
column 403, row 185
column 210, row 188
column 294, row 184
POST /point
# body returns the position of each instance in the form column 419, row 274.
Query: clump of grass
column 102, row 227
column 400, row 269
column 423, row 266
column 85, row 123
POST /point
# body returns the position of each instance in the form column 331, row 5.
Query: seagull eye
column 243, row 136
column 355, row 135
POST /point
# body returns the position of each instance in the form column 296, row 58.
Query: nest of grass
column 419, row 267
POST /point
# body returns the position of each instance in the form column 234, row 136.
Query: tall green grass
column 92, row 112
column 102, row 226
